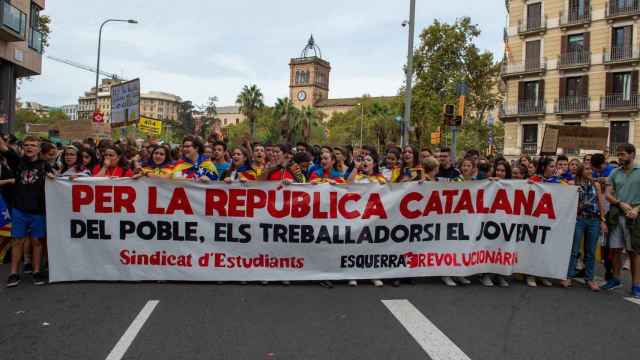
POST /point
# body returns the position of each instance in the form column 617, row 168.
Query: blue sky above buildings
column 199, row 48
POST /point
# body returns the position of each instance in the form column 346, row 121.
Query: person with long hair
column 501, row 170
column 328, row 171
column 519, row 172
column 241, row 168
column 411, row 169
column 114, row 164
column 72, row 164
column 546, row 172
column 159, row 164
column 88, row 157
column 367, row 171
column 589, row 222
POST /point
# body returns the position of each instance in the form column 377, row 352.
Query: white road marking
column 127, row 338
column 633, row 300
column 433, row 341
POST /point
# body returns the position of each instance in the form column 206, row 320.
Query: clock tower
column 309, row 76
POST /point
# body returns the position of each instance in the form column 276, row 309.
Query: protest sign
column 152, row 229
column 125, row 103
column 83, row 129
column 150, row 126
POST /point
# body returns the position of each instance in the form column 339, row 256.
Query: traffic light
column 460, row 114
column 448, row 113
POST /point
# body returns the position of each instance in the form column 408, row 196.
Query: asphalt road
column 306, row 321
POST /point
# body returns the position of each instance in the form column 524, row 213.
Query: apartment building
column 20, row 50
column 574, row 63
column 153, row 104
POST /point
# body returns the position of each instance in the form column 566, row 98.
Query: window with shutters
column 532, row 55
column 530, row 139
column 618, row 134
column 621, row 43
column 622, row 85
column 534, row 16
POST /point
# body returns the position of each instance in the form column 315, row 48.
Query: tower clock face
column 302, row 95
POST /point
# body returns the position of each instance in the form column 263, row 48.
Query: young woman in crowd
column 411, row 170
column 590, row 222
column 88, row 158
column 72, row 164
column 367, row 171
column 392, row 168
column 240, row 169
column 160, row 164
column 49, row 153
column 113, row 164
column 532, row 168
column 519, row 172
column 279, row 170
column 328, row 171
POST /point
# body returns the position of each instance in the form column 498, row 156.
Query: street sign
column 125, row 103
column 98, row 117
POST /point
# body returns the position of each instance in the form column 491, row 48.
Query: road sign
column 98, row 117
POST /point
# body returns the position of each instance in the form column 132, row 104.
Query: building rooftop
column 228, row 109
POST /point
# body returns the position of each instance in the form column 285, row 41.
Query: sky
column 201, row 48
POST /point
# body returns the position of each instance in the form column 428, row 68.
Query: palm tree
column 289, row 116
column 250, row 101
column 310, row 118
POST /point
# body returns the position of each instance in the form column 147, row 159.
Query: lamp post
column 361, row 123
column 130, row 21
column 407, row 95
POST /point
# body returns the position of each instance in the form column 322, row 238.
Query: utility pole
column 409, row 74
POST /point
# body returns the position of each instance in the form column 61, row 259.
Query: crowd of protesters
column 607, row 212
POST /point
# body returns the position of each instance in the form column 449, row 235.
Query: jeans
column 590, row 228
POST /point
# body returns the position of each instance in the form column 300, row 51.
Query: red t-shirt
column 114, row 171
column 281, row 174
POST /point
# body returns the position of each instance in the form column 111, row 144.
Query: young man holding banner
column 625, row 234
column 28, row 213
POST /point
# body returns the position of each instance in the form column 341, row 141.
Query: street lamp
column 130, row 21
column 361, row 121
column 407, row 95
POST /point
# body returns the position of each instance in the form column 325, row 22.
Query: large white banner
column 100, row 229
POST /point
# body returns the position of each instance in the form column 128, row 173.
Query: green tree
column 311, row 119
column 250, row 101
column 210, row 111
column 185, row 125
column 445, row 58
column 289, row 118
column 44, row 25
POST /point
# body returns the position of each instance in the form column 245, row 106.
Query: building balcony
column 574, row 59
column 620, row 103
column 620, row 55
column 537, row 26
column 575, row 18
column 616, row 9
column 535, row 67
column 570, row 105
column 36, row 40
column 524, row 108
column 13, row 23
column 529, row 148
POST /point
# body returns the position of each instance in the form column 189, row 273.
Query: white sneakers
column 447, row 280
column 353, row 283
column 486, row 280
column 377, row 283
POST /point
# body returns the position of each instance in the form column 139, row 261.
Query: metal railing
column 13, row 18
column 529, row 148
column 36, row 40
column 575, row 17
column 619, row 102
column 538, row 24
column 529, row 66
column 572, row 104
column 629, row 7
column 616, row 53
column 523, row 108
column 574, row 58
